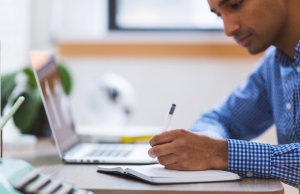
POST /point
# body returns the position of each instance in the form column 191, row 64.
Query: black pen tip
column 172, row 109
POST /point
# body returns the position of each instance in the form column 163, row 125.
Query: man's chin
column 254, row 51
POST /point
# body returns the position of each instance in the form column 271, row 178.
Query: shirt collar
column 285, row 60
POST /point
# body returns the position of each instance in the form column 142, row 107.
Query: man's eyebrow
column 221, row 3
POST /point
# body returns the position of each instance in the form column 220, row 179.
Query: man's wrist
column 220, row 158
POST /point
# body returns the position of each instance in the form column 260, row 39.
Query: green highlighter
column 13, row 110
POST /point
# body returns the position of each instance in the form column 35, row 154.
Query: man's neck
column 290, row 35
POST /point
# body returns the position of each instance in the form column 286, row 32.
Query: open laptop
column 57, row 107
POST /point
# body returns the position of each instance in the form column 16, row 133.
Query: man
column 271, row 94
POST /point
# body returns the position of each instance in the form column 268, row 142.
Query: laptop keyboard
column 110, row 151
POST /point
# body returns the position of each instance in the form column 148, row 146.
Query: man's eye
column 217, row 14
column 236, row 5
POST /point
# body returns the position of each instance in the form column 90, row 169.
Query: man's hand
column 184, row 150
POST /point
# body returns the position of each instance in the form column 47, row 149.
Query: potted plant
column 31, row 117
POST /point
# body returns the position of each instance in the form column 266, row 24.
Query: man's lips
column 245, row 40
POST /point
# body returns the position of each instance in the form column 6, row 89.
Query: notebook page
column 110, row 168
column 158, row 170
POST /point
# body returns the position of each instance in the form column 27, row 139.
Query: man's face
column 254, row 24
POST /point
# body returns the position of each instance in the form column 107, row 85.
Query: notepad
column 158, row 174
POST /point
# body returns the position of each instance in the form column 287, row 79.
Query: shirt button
column 288, row 106
column 298, row 68
column 249, row 174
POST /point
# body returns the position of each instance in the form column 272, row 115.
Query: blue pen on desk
column 169, row 117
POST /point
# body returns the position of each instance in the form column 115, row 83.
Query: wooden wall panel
column 181, row 50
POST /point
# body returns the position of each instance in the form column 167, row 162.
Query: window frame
column 112, row 26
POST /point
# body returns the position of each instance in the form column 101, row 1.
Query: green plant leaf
column 24, row 118
column 66, row 78
column 31, row 78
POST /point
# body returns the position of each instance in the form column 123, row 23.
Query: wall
column 14, row 34
column 194, row 84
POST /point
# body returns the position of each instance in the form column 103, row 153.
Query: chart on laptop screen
column 56, row 102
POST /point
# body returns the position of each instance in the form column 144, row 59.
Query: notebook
column 158, row 174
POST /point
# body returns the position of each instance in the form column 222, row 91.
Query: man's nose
column 230, row 26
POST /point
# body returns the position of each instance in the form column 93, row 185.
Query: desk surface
column 85, row 176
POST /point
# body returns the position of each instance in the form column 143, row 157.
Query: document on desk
column 158, row 174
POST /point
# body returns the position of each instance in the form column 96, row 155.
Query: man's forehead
column 216, row 3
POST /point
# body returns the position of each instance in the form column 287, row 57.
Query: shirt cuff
column 249, row 159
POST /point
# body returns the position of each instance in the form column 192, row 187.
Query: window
column 162, row 15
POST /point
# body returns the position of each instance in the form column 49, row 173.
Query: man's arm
column 185, row 150
column 245, row 114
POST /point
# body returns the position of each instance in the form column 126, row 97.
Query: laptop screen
column 56, row 102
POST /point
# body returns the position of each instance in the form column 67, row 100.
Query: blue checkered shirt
column 271, row 94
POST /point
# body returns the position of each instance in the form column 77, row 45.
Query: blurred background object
column 110, row 100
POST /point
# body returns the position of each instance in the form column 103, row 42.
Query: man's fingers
column 174, row 166
column 165, row 137
column 162, row 138
column 161, row 150
column 168, row 159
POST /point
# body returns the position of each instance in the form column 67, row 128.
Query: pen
column 8, row 116
column 169, row 117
